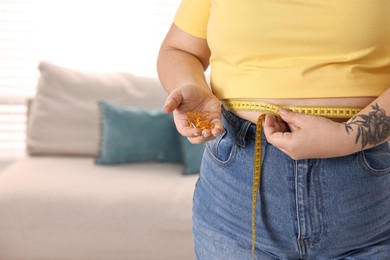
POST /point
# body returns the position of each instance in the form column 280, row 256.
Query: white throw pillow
column 64, row 117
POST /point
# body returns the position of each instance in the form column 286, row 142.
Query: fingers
column 180, row 104
column 275, row 129
column 203, row 137
column 274, row 124
column 199, row 139
column 173, row 101
column 197, row 136
column 292, row 118
column 295, row 120
column 218, row 127
column 270, row 124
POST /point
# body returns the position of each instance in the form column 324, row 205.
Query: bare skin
column 181, row 64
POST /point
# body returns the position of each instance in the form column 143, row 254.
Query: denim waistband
column 247, row 129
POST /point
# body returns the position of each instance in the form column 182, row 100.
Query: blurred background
column 88, row 35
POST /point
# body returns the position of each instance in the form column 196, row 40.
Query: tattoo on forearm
column 373, row 128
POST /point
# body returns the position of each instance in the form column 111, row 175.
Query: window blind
column 90, row 35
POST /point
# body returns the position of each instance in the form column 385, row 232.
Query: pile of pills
column 199, row 120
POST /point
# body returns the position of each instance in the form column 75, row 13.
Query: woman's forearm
column 371, row 126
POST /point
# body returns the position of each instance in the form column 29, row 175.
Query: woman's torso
column 306, row 49
column 301, row 52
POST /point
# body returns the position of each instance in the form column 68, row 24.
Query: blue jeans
column 336, row 208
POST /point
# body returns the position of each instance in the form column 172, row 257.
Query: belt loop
column 241, row 135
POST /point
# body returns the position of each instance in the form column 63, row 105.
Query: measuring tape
column 267, row 108
column 328, row 111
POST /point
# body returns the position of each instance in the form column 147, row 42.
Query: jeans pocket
column 376, row 160
column 222, row 148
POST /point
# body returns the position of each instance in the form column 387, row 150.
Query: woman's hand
column 307, row 136
column 191, row 98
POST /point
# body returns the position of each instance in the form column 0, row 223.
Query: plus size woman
column 324, row 191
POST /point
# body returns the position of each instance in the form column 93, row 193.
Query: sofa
column 106, row 176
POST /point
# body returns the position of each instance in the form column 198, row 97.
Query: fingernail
column 165, row 108
column 283, row 111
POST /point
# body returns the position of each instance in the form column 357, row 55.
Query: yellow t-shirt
column 293, row 49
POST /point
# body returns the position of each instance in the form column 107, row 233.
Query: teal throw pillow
column 137, row 135
column 192, row 156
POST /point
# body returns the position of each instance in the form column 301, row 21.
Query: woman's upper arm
column 177, row 39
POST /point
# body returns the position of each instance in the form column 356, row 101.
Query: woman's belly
column 340, row 102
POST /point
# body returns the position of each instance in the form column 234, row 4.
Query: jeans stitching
column 210, row 152
column 375, row 172
column 300, row 243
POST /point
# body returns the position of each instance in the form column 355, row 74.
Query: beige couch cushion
column 64, row 118
column 71, row 209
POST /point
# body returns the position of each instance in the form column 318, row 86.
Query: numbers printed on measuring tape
column 332, row 111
